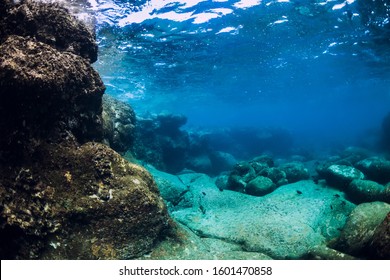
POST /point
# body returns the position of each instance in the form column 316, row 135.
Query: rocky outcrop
column 62, row 196
column 84, row 203
column 49, row 24
column 43, row 90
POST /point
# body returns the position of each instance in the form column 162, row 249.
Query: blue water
column 319, row 69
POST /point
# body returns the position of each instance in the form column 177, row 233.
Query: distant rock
column 260, row 186
column 295, row 171
column 367, row 191
column 360, row 227
column 376, row 169
column 341, row 175
column 275, row 174
column 119, row 123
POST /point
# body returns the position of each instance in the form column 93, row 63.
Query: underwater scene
column 195, row 129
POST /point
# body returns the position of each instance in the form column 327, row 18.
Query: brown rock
column 51, row 24
column 85, row 203
column 380, row 244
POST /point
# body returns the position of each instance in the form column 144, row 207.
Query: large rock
column 49, row 90
column 367, row 191
column 295, row 171
column 376, row 169
column 50, row 24
column 360, row 227
column 341, row 175
column 60, row 197
column 286, row 224
column 260, row 186
column 85, row 203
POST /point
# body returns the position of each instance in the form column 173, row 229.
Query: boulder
column 295, row 171
column 85, row 203
column 361, row 191
column 359, row 229
column 376, row 169
column 62, row 196
column 260, row 186
column 52, row 25
column 285, row 224
column 341, row 175
column 275, row 174
column 50, row 90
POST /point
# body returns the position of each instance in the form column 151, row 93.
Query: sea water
column 318, row 69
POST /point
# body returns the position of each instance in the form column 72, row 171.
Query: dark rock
column 275, row 174
column 160, row 142
column 236, row 183
column 260, row 186
column 49, row 90
column 341, row 175
column 241, row 174
column 85, row 203
column 376, row 169
column 268, row 160
column 360, row 191
column 118, row 123
column 169, row 124
column 295, row 171
column 359, row 229
column 379, row 247
column 50, row 24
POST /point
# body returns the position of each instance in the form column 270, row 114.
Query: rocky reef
column 63, row 195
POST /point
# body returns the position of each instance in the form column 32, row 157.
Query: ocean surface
column 318, row 69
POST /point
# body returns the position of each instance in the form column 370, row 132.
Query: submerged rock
column 284, row 224
column 367, row 191
column 91, row 204
column 50, row 24
column 359, row 229
column 61, row 196
column 260, row 186
column 49, row 90
column 376, row 169
column 119, row 124
column 295, row 171
column 341, row 175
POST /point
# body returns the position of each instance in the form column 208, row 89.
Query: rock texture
column 49, row 24
column 62, row 196
column 118, row 124
column 360, row 228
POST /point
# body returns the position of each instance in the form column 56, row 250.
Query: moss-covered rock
column 260, row 186
column 86, row 203
column 359, row 229
column 50, row 24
